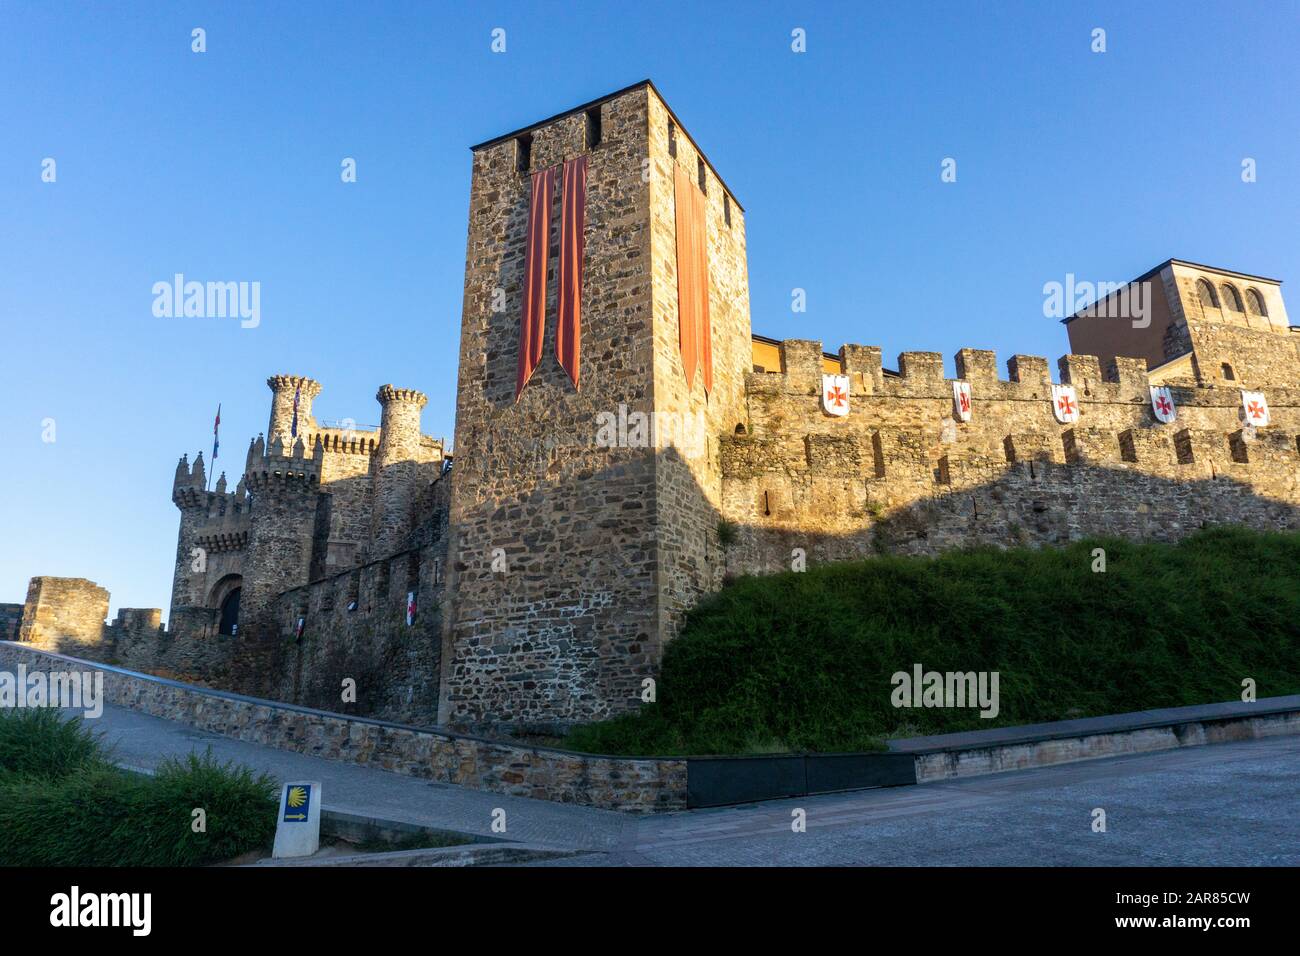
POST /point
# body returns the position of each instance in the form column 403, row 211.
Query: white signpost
column 297, row 828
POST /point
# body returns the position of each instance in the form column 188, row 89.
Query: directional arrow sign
column 298, row 831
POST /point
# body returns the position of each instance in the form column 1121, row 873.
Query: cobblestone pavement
column 1226, row 804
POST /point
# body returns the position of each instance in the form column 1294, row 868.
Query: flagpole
column 216, row 443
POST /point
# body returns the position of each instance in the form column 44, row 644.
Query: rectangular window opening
column 524, row 152
column 593, row 127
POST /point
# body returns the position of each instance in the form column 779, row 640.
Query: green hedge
column 803, row 661
column 62, row 803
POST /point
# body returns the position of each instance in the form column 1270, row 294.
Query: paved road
column 1227, row 804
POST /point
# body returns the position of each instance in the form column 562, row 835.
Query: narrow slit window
column 702, row 176
column 726, row 209
column 524, row 152
column 593, row 127
column 672, row 139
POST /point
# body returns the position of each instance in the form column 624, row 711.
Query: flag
column 293, row 429
column 1065, row 404
column 297, row 631
column 961, row 400
column 1162, row 404
column 835, row 395
column 1254, row 408
column 216, row 437
column 410, row 608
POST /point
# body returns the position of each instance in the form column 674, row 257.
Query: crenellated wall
column 901, row 473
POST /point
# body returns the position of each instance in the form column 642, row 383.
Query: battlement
column 921, row 374
column 902, row 443
column 391, row 393
column 286, row 467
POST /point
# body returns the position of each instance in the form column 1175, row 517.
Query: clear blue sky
column 225, row 165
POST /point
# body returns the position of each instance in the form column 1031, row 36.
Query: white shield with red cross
column 410, row 608
column 1065, row 404
column 1162, row 404
column 1254, row 408
column 835, row 394
column 961, row 400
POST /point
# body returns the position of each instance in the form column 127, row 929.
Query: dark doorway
column 230, row 613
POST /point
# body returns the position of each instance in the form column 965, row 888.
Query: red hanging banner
column 701, row 240
column 692, row 277
column 568, row 329
column 532, row 323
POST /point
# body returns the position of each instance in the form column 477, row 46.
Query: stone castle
column 647, row 445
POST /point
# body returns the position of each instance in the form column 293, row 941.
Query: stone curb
column 452, row 856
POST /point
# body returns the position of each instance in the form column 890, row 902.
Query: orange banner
column 532, row 323
column 568, row 329
column 694, row 335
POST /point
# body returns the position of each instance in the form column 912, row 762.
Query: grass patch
column 63, row 803
column 802, row 662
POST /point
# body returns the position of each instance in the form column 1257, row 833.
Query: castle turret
column 190, row 496
column 395, row 468
column 285, row 489
column 284, row 390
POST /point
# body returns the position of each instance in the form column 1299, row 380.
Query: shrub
column 40, row 742
column 805, row 659
column 62, row 803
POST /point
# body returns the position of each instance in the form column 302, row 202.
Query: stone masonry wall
column 689, row 422
column 64, row 615
column 395, row 667
column 899, row 474
column 11, row 618
column 615, row 783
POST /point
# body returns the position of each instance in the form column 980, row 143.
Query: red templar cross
column 1065, row 405
column 837, row 396
column 1256, row 410
column 1162, row 403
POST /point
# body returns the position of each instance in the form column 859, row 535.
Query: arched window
column 1231, row 299
column 1206, row 291
column 1227, row 372
column 1255, row 302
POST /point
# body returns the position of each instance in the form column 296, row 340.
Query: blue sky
column 225, row 166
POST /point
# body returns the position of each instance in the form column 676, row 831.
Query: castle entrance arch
column 225, row 597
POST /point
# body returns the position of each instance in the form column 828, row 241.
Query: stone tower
column 584, row 518
column 283, row 389
column 396, row 468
